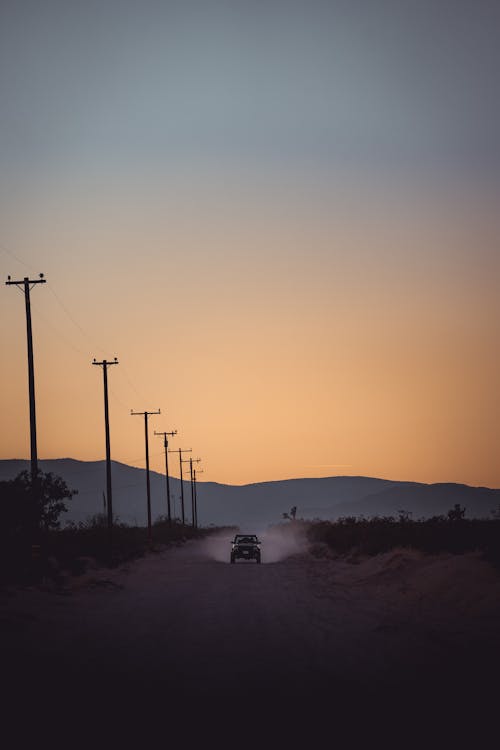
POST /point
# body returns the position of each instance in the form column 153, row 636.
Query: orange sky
column 286, row 328
column 284, row 223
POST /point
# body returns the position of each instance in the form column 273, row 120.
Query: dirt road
column 184, row 628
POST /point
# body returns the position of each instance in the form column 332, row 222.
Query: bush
column 28, row 507
column 29, row 512
column 372, row 536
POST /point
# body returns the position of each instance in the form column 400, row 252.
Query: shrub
column 372, row 536
column 27, row 507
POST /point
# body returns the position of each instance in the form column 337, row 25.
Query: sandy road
column 184, row 625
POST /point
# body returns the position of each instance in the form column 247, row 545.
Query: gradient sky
column 282, row 217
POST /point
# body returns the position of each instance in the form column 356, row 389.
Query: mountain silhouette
column 253, row 506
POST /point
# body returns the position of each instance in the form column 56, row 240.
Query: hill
column 254, row 506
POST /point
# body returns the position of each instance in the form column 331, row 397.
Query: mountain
column 254, row 506
column 424, row 500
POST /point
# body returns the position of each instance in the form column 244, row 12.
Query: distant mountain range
column 254, row 506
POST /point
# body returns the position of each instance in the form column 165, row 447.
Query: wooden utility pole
column 193, row 512
column 180, row 451
column 26, row 285
column 165, row 445
column 146, row 414
column 105, row 364
column 200, row 471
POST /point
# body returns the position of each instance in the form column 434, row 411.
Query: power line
column 27, row 284
column 146, row 414
column 70, row 316
column 180, row 451
column 193, row 511
column 105, row 364
column 200, row 471
column 165, row 445
column 140, row 458
column 131, row 383
column 15, row 257
column 58, row 332
column 74, row 321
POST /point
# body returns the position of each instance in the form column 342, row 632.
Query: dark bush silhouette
column 34, row 547
column 29, row 511
column 372, row 536
column 26, row 508
column 456, row 513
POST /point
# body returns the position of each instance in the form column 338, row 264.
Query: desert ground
column 182, row 633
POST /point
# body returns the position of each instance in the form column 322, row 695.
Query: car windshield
column 240, row 539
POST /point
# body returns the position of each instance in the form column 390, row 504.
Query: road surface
column 187, row 634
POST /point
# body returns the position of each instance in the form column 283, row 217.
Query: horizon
column 282, row 220
column 260, row 481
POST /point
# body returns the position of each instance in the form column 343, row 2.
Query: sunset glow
column 301, row 290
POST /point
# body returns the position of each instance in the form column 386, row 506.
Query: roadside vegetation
column 36, row 545
column 360, row 536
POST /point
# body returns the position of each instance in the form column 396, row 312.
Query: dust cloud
column 278, row 543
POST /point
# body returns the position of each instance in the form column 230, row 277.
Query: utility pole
column 27, row 284
column 165, row 445
column 193, row 514
column 105, row 364
column 180, row 451
column 146, row 414
column 200, row 471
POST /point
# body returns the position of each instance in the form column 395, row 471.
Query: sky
column 281, row 217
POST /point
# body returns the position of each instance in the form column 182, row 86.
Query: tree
column 26, row 507
column 404, row 516
column 456, row 513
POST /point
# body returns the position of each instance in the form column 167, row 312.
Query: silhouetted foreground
column 350, row 624
column 255, row 506
column 372, row 536
column 198, row 647
column 34, row 547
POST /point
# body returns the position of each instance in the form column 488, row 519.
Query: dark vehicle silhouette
column 245, row 547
